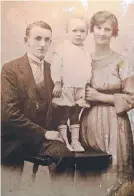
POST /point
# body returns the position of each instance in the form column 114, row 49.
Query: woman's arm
column 94, row 95
column 125, row 102
column 122, row 101
column 105, row 98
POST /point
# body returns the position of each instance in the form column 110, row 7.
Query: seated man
column 26, row 102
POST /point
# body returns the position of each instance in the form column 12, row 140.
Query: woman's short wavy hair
column 101, row 17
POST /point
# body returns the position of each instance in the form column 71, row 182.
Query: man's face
column 38, row 41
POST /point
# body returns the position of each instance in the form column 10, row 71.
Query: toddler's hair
column 76, row 18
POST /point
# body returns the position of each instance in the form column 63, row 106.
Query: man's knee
column 58, row 149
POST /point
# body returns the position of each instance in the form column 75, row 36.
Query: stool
column 91, row 161
column 35, row 175
column 91, row 155
column 38, row 161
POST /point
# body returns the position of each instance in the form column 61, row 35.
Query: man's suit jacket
column 19, row 109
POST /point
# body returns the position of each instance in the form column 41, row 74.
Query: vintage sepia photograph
column 67, row 98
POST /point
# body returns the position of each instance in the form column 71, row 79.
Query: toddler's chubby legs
column 74, row 128
column 72, row 113
column 63, row 112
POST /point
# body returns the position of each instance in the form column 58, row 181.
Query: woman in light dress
column 105, row 126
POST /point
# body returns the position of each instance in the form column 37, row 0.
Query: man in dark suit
column 26, row 102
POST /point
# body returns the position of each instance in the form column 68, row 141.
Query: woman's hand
column 91, row 94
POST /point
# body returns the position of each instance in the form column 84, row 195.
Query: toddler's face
column 77, row 31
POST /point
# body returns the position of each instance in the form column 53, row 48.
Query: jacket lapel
column 29, row 84
column 48, row 88
column 27, row 78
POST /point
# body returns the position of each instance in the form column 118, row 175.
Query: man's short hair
column 41, row 24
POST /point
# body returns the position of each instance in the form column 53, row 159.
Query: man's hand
column 53, row 135
column 57, row 90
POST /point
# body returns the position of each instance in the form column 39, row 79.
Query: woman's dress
column 106, row 127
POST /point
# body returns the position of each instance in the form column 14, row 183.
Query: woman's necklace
column 101, row 57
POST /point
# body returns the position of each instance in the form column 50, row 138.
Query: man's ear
column 26, row 40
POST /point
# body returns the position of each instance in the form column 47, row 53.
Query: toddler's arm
column 57, row 89
column 56, row 75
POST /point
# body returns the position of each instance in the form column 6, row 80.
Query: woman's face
column 103, row 32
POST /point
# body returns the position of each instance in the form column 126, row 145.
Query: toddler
column 71, row 71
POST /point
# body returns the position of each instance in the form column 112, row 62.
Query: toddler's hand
column 57, row 90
